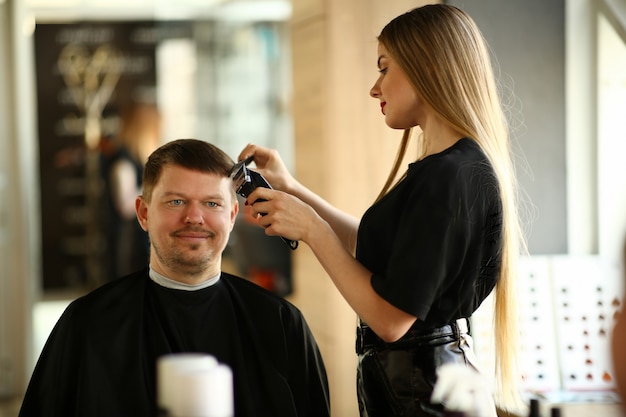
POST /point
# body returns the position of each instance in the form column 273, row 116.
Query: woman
column 128, row 248
column 435, row 243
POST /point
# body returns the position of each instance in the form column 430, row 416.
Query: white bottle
column 169, row 370
column 205, row 393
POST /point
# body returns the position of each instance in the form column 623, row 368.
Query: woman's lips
column 382, row 107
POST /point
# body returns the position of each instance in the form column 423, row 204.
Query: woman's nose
column 375, row 90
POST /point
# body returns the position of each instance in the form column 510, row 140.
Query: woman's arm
column 292, row 218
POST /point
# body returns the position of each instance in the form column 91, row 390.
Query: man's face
column 189, row 220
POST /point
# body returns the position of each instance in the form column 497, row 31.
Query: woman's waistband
column 415, row 337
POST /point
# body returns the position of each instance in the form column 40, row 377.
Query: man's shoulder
column 268, row 313
column 112, row 295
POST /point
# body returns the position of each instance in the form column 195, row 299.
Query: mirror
column 223, row 81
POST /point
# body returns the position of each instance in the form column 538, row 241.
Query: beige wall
column 343, row 152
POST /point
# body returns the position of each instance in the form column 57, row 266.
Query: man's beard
column 179, row 260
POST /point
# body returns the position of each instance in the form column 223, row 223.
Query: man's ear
column 142, row 212
column 233, row 214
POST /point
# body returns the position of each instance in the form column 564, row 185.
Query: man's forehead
column 185, row 176
column 181, row 181
column 183, row 170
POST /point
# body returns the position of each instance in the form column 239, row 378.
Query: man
column 100, row 359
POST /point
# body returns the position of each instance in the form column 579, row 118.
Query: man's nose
column 194, row 214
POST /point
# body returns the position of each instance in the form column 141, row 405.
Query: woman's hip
column 398, row 379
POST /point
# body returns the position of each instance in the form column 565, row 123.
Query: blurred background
column 88, row 84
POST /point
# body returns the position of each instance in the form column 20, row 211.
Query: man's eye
column 176, row 202
column 212, row 204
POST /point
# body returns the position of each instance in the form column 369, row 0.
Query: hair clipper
column 245, row 181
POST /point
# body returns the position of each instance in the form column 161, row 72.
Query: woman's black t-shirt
column 433, row 242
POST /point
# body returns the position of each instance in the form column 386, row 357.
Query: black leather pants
column 397, row 379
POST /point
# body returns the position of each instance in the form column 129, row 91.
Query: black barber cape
column 100, row 359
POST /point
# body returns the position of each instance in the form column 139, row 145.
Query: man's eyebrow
column 172, row 194
column 169, row 194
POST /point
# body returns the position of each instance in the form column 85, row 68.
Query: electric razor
column 245, row 181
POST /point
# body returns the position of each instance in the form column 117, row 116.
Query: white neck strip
column 175, row 285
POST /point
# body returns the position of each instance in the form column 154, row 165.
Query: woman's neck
column 438, row 136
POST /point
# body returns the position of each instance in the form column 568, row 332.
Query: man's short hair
column 192, row 154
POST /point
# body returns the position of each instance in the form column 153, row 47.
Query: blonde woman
column 437, row 242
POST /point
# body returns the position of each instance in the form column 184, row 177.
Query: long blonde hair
column 446, row 59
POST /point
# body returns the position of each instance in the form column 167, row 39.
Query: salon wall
column 18, row 228
column 5, row 130
column 528, row 39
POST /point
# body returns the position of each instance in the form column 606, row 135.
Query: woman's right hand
column 269, row 164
